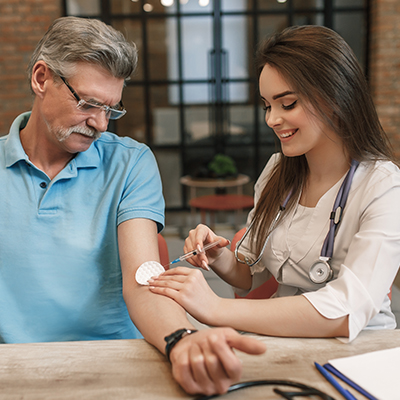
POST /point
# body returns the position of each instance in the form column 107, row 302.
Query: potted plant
column 222, row 166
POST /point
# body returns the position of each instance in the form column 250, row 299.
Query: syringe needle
column 194, row 252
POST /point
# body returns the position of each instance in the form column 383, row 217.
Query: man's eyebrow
column 99, row 103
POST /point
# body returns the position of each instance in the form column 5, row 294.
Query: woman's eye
column 267, row 108
column 290, row 106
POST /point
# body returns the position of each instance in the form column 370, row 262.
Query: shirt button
column 43, row 185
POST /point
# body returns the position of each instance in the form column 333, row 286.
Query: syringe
column 194, row 252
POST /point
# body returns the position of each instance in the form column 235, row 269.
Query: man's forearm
column 155, row 316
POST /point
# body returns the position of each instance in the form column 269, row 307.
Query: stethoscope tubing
column 238, row 244
column 327, row 247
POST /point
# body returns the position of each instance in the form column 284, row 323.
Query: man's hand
column 205, row 362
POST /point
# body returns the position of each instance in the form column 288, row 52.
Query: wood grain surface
column 133, row 369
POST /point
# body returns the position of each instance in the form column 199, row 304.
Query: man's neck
column 45, row 156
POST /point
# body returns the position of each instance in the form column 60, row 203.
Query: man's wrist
column 174, row 338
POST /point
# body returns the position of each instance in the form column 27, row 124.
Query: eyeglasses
column 86, row 106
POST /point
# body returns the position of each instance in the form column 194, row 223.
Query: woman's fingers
column 200, row 237
column 188, row 287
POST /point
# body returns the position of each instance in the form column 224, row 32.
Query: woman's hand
column 197, row 239
column 189, row 288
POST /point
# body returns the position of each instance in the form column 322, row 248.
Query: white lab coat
column 366, row 254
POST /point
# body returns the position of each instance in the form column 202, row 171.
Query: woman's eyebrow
column 278, row 96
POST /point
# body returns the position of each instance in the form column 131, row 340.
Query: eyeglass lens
column 111, row 113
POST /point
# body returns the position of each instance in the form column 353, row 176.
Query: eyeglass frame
column 107, row 109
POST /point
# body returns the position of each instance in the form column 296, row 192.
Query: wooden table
column 218, row 202
column 132, row 369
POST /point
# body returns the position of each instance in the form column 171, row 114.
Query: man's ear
column 41, row 75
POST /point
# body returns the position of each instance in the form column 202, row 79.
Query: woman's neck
column 324, row 172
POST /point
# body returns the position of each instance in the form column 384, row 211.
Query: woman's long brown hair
column 323, row 71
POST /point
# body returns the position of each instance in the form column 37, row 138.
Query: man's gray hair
column 71, row 40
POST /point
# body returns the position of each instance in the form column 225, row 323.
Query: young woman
column 326, row 221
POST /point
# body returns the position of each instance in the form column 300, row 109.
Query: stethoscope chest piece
column 321, row 271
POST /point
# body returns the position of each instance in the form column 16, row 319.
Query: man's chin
column 77, row 143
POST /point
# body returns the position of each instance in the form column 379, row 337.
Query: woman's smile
column 286, row 133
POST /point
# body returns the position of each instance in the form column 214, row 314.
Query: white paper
column 377, row 372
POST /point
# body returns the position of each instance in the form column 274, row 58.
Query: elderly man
column 80, row 211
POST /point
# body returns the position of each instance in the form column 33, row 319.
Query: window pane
column 192, row 94
column 349, row 3
column 171, row 38
column 237, row 92
column 165, row 118
column 348, row 23
column 157, row 49
column 197, row 124
column 166, row 125
column 234, row 5
column 196, row 42
column 132, row 31
column 308, row 4
column 235, row 45
column 308, row 19
column 169, row 164
column 134, row 6
column 125, row 7
column 133, row 124
column 272, row 5
column 241, row 124
column 271, row 24
column 83, row 7
column 188, row 6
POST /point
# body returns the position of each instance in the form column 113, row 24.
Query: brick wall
column 22, row 24
column 385, row 66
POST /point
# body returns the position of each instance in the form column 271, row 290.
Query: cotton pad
column 148, row 270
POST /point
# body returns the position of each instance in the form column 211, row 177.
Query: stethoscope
column 320, row 270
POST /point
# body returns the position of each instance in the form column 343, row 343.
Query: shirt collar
column 15, row 152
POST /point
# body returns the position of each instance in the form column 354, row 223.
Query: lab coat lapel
column 318, row 226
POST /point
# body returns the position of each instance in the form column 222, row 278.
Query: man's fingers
column 206, row 362
column 246, row 344
column 182, row 373
column 221, row 376
column 229, row 360
column 198, row 367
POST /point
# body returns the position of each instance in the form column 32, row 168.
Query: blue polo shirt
column 60, row 274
